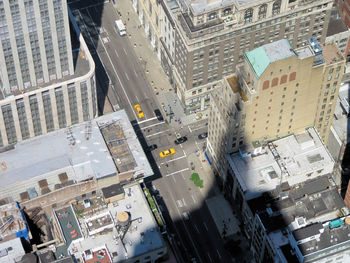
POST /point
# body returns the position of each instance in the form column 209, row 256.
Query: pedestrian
column 128, row 19
column 128, row 13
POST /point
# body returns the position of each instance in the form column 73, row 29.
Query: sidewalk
column 167, row 99
column 203, row 168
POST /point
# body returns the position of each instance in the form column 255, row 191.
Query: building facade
column 35, row 44
column 276, row 92
column 344, row 9
column 43, row 88
column 211, row 38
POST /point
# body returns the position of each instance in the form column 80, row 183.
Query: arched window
column 248, row 15
column 274, row 82
column 292, row 76
column 276, row 7
column 266, row 84
column 226, row 12
column 212, row 16
column 262, row 11
column 283, row 79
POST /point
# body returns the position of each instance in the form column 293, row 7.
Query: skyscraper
column 276, row 92
column 42, row 87
column 35, row 43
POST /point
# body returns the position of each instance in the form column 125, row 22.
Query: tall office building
column 44, row 85
column 276, row 92
column 212, row 36
column 35, row 43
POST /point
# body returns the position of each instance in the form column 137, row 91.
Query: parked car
column 167, row 152
column 158, row 115
column 152, row 147
column 181, row 140
column 139, row 111
column 203, row 135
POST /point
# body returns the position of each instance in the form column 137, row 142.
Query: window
column 248, row 15
column 276, row 7
column 262, row 11
column 212, row 16
column 283, row 79
column 274, row 82
column 266, row 84
column 292, row 76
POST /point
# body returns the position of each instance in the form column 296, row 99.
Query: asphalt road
column 121, row 77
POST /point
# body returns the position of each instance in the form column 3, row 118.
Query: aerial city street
column 178, row 131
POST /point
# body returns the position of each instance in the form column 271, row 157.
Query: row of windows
column 283, row 79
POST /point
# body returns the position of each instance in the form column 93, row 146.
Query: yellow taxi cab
column 167, row 152
column 139, row 111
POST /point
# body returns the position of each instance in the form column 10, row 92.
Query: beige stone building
column 149, row 16
column 276, row 92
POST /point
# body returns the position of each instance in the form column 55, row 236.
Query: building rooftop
column 261, row 57
column 205, row 6
column 80, row 151
column 331, row 54
column 123, row 144
column 309, row 211
column 133, row 231
column 304, row 52
column 300, row 156
column 11, row 250
column 328, row 234
column 69, row 225
column 340, row 123
column 12, row 222
column 302, row 204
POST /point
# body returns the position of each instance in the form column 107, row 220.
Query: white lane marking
column 218, row 253
column 116, row 52
column 205, row 225
column 209, row 257
column 194, row 200
column 196, row 228
column 125, row 51
column 180, row 171
column 152, row 125
column 173, row 160
column 188, row 233
column 189, row 128
column 201, row 127
column 154, row 134
column 150, row 119
column 183, row 175
column 126, row 74
column 183, row 200
column 181, row 146
column 115, row 72
column 135, row 72
column 174, row 179
column 179, row 203
column 137, row 99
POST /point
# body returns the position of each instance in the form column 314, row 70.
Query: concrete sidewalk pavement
column 200, row 165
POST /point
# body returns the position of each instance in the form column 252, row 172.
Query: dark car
column 203, row 135
column 158, row 115
column 152, row 147
column 181, row 140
